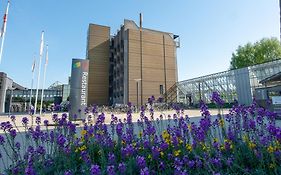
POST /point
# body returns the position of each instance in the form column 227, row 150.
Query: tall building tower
column 140, row 62
column 98, row 55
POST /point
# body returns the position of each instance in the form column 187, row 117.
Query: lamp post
column 11, row 100
column 137, row 81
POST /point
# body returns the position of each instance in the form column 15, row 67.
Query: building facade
column 131, row 65
column 98, row 55
column 5, row 83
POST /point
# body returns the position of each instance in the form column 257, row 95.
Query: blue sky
column 209, row 30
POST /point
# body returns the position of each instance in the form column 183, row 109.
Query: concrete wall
column 98, row 55
column 5, row 83
column 158, row 63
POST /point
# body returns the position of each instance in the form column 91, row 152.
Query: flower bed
column 245, row 141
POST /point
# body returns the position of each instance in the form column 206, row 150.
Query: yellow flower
column 189, row 127
column 221, row 122
column 188, row 147
column 272, row 165
column 216, row 139
column 140, row 134
column 177, row 153
column 82, row 139
column 251, row 145
column 82, row 148
column 83, row 132
column 162, row 154
column 245, row 138
column 123, row 142
column 222, row 148
column 270, row 149
column 180, row 141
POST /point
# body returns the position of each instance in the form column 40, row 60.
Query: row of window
column 24, row 96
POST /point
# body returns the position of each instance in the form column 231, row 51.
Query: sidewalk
column 135, row 117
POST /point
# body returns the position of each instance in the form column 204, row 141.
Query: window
column 161, row 89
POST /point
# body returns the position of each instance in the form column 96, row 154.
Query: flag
column 42, row 43
column 3, row 30
column 33, row 66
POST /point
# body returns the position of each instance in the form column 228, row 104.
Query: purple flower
column 191, row 163
column 122, row 168
column 110, row 170
column 38, row 120
column 13, row 133
column 216, row 98
column 29, row 170
column 95, row 170
column 40, row 150
column 24, row 120
column 111, row 158
column 144, row 171
column 141, row 162
column 161, row 166
column 17, row 145
column 30, row 149
column 119, row 128
column 2, row 140
column 252, row 124
column 46, row 122
column 61, row 140
column 68, row 172
column 13, row 118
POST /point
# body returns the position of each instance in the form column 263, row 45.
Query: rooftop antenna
column 140, row 21
column 141, row 78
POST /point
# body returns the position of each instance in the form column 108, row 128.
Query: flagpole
column 39, row 70
column 44, row 78
column 3, row 32
column 32, row 80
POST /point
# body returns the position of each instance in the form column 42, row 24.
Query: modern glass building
column 240, row 84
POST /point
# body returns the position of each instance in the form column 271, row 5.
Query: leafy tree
column 267, row 49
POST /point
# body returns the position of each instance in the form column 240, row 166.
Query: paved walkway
column 135, row 117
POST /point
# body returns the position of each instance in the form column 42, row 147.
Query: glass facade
column 239, row 84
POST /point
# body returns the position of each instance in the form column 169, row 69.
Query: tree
column 267, row 49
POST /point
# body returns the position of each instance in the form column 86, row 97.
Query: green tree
column 267, row 49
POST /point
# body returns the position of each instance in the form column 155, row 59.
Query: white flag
column 3, row 30
column 42, row 44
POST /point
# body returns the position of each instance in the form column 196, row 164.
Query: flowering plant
column 244, row 141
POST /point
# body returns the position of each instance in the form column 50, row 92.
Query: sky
column 210, row 31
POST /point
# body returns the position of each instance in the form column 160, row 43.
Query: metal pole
column 10, row 102
column 44, row 79
column 32, row 80
column 141, row 58
column 39, row 70
column 137, row 96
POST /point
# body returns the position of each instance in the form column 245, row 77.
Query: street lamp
column 11, row 100
column 137, row 81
